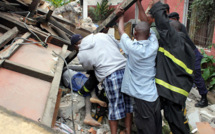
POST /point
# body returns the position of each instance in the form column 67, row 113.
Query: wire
column 70, row 84
column 11, row 50
column 43, row 43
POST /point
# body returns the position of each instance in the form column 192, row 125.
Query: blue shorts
column 119, row 103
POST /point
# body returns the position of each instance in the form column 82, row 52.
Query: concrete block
column 193, row 118
column 194, row 94
column 212, row 108
column 206, row 116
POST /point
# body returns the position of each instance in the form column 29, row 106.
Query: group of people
column 157, row 71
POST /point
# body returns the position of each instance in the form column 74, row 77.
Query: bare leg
column 128, row 122
column 95, row 99
column 88, row 118
column 113, row 126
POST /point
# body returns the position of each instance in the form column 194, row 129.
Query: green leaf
column 206, row 74
column 212, row 83
column 213, row 74
column 204, row 60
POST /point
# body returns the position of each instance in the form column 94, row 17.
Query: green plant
column 205, row 9
column 208, row 69
column 211, row 45
column 101, row 12
column 58, row 3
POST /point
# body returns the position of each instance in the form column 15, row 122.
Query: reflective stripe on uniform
column 86, row 90
column 175, row 60
column 171, row 87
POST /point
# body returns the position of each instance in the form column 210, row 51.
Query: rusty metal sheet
column 23, row 94
column 36, row 56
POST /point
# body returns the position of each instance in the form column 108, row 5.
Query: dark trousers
column 198, row 80
column 175, row 115
column 148, row 118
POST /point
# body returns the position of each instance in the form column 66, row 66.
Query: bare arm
column 121, row 25
column 142, row 13
column 120, row 13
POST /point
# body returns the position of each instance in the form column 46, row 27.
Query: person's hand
column 119, row 11
column 151, row 4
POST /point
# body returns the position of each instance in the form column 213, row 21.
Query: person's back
column 103, row 55
column 175, row 69
column 140, row 72
column 175, row 60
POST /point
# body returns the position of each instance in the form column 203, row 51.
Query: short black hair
column 174, row 15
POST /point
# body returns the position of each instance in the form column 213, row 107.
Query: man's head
column 167, row 8
column 142, row 30
column 174, row 16
column 176, row 24
column 75, row 41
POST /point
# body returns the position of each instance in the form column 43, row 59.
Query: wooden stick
column 56, row 107
column 6, row 37
column 28, row 70
column 14, row 47
column 52, row 97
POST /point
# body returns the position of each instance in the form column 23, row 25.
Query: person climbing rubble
column 198, row 80
column 100, row 52
column 174, row 70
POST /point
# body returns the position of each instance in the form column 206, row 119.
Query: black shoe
column 203, row 102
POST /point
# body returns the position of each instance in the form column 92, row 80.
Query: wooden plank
column 11, row 22
column 57, row 24
column 113, row 17
column 60, row 19
column 52, row 98
column 9, row 52
column 4, row 28
column 6, row 37
column 33, row 6
column 56, row 107
column 81, row 31
column 33, row 72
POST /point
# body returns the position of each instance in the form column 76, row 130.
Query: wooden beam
column 9, row 21
column 60, row 26
column 60, row 19
column 6, row 37
column 81, row 31
column 113, row 17
column 56, row 107
column 28, row 70
column 4, row 28
column 52, row 97
column 9, row 52
column 33, row 7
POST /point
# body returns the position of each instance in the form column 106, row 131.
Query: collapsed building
column 34, row 45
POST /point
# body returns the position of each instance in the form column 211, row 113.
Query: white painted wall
column 112, row 2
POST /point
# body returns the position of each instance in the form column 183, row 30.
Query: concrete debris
column 195, row 114
column 71, row 11
column 70, row 7
column 65, row 110
column 88, row 24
